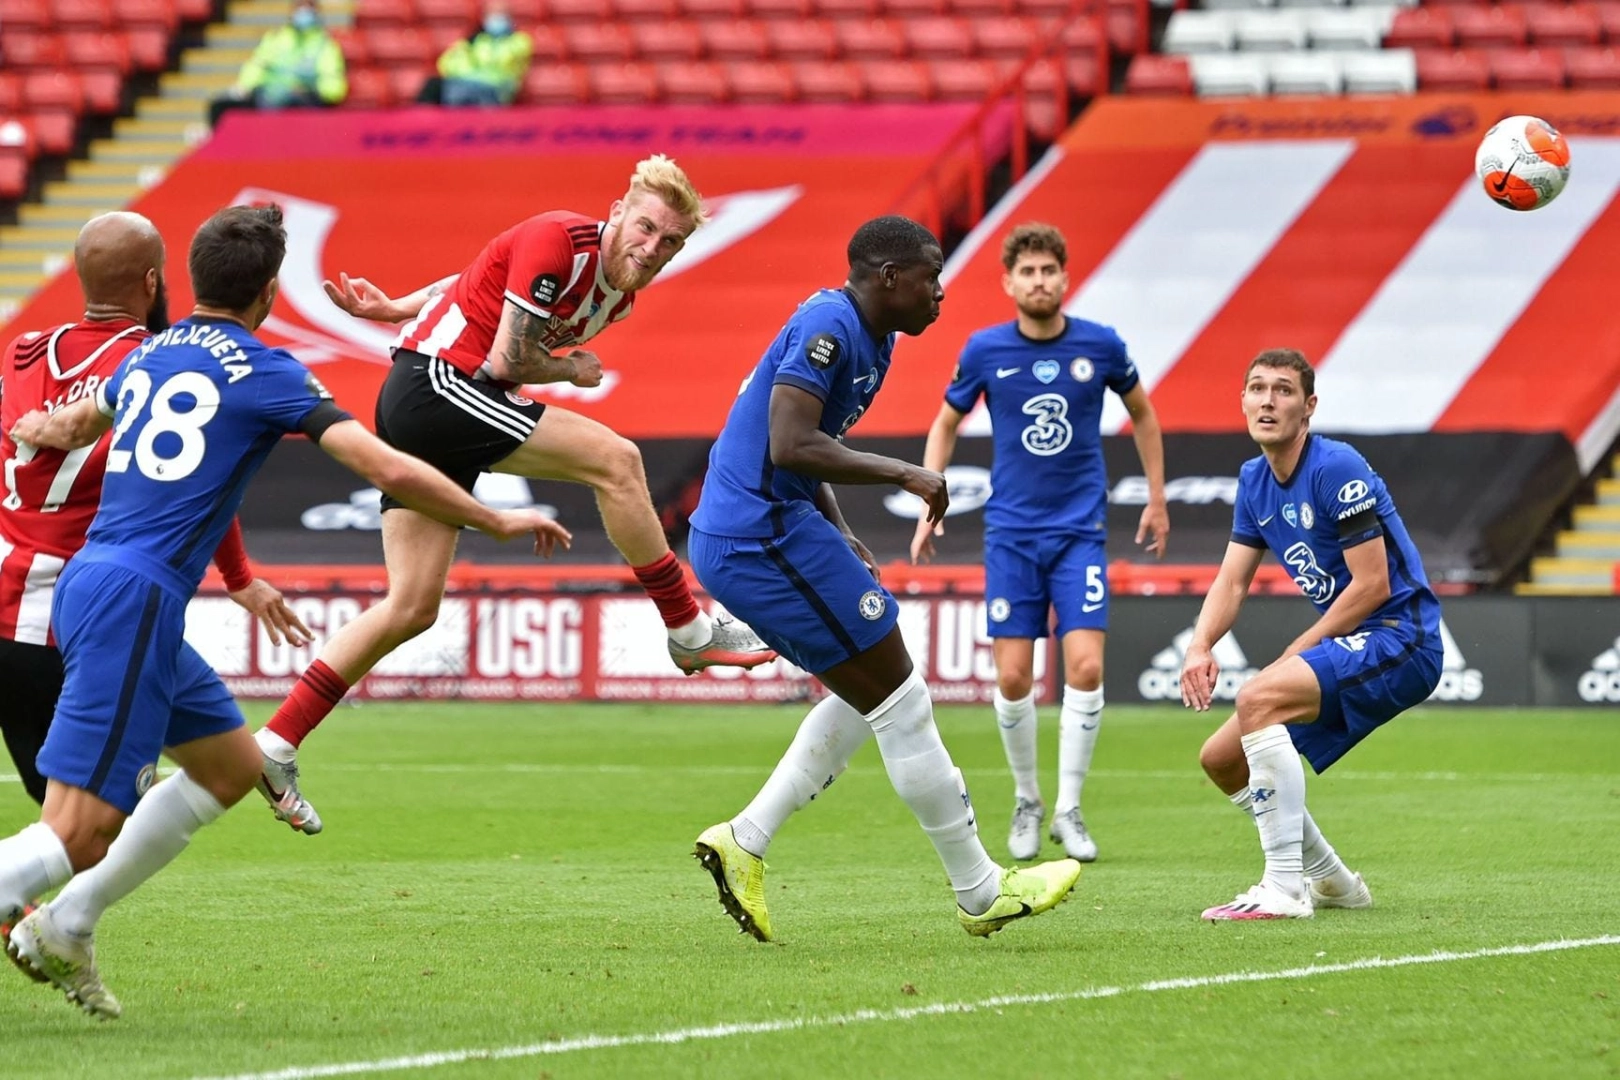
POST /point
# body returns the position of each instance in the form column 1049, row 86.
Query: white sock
column 1277, row 788
column 276, row 748
column 694, row 634
column 32, row 863
column 158, row 830
column 1077, row 738
column 920, row 769
column 1018, row 723
column 1322, row 863
column 818, row 755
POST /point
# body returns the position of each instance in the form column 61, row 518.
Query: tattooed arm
column 521, row 356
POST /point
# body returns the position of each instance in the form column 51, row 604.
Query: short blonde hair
column 660, row 176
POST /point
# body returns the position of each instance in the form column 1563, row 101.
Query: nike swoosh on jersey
column 1263, row 522
column 1090, row 607
column 1003, row 372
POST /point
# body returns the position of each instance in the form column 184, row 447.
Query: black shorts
column 459, row 425
column 32, row 676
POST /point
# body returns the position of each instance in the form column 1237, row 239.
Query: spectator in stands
column 485, row 68
column 298, row 65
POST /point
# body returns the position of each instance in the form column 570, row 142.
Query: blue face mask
column 497, row 24
column 305, row 19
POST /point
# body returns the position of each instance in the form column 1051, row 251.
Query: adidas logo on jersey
column 1602, row 683
column 1458, row 681
column 1162, row 681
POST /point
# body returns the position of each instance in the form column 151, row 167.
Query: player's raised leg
column 567, row 446
column 417, row 551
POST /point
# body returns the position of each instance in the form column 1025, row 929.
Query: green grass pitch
column 508, row 892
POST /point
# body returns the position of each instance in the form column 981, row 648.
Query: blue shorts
column 1367, row 678
column 1028, row 574
column 806, row 593
column 131, row 685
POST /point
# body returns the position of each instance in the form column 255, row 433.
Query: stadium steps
column 1587, row 559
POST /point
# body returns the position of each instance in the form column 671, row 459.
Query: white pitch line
column 879, row 1016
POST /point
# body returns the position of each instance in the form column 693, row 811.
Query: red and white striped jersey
column 51, row 496
column 549, row 265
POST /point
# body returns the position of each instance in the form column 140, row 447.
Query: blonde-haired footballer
column 516, row 316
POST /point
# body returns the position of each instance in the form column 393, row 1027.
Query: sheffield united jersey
column 550, row 266
column 50, row 495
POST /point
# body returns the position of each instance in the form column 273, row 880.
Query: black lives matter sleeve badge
column 544, row 290
column 822, row 351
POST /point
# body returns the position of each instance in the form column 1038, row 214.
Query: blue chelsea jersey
column 198, row 409
column 1045, row 400
column 1333, row 501
column 826, row 349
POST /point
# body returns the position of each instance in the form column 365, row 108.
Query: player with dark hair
column 769, row 542
column 198, row 409
column 1044, row 377
column 514, row 317
column 1374, row 652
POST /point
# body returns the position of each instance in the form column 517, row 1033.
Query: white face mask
column 497, row 24
column 305, row 19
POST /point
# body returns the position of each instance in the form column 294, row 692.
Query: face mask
column 305, row 19
column 497, row 25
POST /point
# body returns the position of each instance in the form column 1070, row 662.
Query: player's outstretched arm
column 1368, row 563
column 799, row 444
column 1153, row 531
column 363, row 300
column 1219, row 612
column 68, row 428
column 937, row 454
column 428, row 491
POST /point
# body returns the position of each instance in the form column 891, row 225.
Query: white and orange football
column 1523, row 163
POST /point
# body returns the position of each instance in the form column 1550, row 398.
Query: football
column 1523, row 163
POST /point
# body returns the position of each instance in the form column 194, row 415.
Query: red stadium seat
column 939, row 38
column 556, row 84
column 149, row 46
column 743, row 39
column 912, row 9
column 17, row 137
column 528, row 14
column 845, row 9
column 870, row 39
column 400, row 46
column 194, row 11
column 1446, row 69
column 667, row 40
column 575, row 11
column 103, row 92
column 903, row 81
column 369, row 88
column 44, row 91
column 683, row 82
column 1608, row 16
column 807, row 40
column 13, row 175
column 1421, row 28
column 756, row 82
column 779, row 9
column 1127, row 29
column 635, row 10
column 1489, row 26
column 1004, row 36
column 549, row 44
column 1527, row 69
column 1083, row 73
column 407, row 80
column 1153, row 74
column 837, row 81
column 1593, row 68
column 976, row 8
column 964, row 80
column 10, row 94
column 98, row 51
column 369, row 13
column 623, row 83
column 442, row 35
column 82, row 14
column 461, row 14
column 1563, row 24
column 24, row 50
column 356, row 53
column 595, row 43
column 24, row 15
column 53, row 131
column 154, row 14
column 1041, row 9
